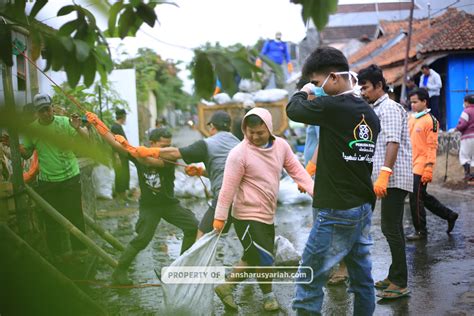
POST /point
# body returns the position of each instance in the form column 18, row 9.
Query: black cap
column 220, row 119
column 469, row 98
column 120, row 113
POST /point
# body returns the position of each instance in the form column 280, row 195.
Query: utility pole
column 17, row 178
column 407, row 54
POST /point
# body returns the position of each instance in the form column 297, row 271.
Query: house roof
column 451, row 31
column 337, row 33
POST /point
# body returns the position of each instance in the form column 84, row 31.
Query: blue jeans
column 338, row 235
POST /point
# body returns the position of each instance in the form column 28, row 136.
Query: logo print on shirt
column 363, row 146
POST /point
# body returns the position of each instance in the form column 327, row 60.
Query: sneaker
column 416, row 236
column 452, row 221
column 270, row 302
column 224, row 292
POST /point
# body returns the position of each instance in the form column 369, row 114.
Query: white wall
column 123, row 81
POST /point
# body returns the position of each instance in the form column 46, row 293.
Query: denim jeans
column 338, row 235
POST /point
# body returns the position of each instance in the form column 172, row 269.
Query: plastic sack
column 241, row 97
column 186, row 186
column 270, row 95
column 195, row 298
column 133, row 176
column 289, row 193
column 247, row 85
column 103, row 178
column 222, row 98
column 285, row 252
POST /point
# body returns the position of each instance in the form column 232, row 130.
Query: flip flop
column 399, row 293
column 383, row 284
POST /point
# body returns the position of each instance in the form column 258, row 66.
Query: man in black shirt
column 343, row 195
column 213, row 151
column 157, row 201
column 120, row 161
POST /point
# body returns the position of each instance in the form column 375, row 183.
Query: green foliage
column 90, row 100
column 226, row 63
column 317, row 10
column 158, row 76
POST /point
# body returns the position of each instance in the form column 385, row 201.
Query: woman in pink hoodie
column 251, row 182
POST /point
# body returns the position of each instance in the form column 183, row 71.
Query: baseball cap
column 220, row 119
column 41, row 100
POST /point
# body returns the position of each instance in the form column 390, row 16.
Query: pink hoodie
column 252, row 176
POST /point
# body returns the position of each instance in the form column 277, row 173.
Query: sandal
column 388, row 294
column 382, row 285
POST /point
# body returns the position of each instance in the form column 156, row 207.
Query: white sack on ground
column 285, row 252
column 133, row 176
column 222, row 98
column 103, row 179
column 247, row 85
column 241, row 97
column 270, row 95
column 289, row 193
column 186, row 186
column 196, row 298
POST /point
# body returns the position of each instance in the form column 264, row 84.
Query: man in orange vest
column 423, row 128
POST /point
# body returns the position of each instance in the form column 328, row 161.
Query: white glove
column 451, row 130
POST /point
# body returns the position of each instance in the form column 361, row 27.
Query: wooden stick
column 70, row 227
column 103, row 233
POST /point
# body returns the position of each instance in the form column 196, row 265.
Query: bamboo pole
column 17, row 177
column 103, row 233
column 70, row 227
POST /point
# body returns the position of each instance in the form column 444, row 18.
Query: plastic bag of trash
column 196, row 296
column 270, row 95
column 103, row 179
column 242, row 97
column 186, row 186
column 222, row 98
column 133, row 176
column 285, row 252
column 289, row 193
column 247, row 85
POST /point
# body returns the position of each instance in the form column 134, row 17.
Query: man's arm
column 436, row 83
column 170, row 153
column 110, row 139
column 297, row 172
column 233, row 174
column 299, row 109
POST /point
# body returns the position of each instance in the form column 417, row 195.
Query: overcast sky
column 196, row 22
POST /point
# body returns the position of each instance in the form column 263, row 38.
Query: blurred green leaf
column 39, row 4
column 82, row 50
column 66, row 10
column 114, row 10
column 147, row 14
column 203, row 73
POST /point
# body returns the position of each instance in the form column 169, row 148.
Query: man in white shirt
column 431, row 81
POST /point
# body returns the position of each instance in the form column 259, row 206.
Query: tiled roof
column 449, row 32
column 337, row 33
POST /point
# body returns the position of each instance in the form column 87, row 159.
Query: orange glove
column 100, row 126
column 258, row 63
column 380, row 186
column 194, row 171
column 30, row 175
column 143, row 152
column 427, row 175
column 311, row 168
column 218, row 224
column 289, row 66
column 125, row 144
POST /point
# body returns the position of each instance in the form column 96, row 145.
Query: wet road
column 441, row 269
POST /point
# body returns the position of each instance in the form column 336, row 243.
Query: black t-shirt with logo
column 348, row 131
column 156, row 184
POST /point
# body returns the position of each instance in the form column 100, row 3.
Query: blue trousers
column 337, row 235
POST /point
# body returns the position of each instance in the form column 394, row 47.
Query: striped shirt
column 394, row 128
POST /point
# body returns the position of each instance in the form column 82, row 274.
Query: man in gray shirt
column 213, row 152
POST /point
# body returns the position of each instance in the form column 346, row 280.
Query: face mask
column 319, row 91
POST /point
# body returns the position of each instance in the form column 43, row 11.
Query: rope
column 76, row 103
